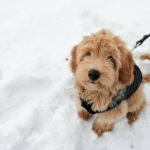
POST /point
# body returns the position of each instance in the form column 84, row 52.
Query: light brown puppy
column 108, row 55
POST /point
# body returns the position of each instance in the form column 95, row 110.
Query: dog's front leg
column 82, row 113
column 105, row 121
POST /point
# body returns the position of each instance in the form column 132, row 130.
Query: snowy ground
column 37, row 108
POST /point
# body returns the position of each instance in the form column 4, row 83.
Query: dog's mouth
column 93, row 85
column 93, row 82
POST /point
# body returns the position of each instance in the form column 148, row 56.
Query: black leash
column 140, row 42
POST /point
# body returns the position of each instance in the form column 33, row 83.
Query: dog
column 103, row 70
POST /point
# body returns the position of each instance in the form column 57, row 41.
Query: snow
column 37, row 107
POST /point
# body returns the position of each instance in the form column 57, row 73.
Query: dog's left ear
column 126, row 71
column 73, row 62
column 127, row 63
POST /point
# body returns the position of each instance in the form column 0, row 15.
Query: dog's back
column 146, row 78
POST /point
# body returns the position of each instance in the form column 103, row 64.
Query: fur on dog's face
column 106, row 54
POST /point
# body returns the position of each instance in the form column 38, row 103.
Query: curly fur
column 93, row 53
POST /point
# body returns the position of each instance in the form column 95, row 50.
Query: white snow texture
column 37, row 106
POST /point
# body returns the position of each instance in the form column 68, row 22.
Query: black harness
column 122, row 94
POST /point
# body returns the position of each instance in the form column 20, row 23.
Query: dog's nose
column 94, row 74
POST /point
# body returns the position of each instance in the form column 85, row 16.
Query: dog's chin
column 94, row 86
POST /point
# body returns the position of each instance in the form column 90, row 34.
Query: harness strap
column 136, row 82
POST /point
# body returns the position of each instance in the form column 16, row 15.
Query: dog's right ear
column 73, row 62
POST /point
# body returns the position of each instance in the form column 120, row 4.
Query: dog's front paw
column 97, row 129
column 132, row 117
column 100, row 129
column 85, row 115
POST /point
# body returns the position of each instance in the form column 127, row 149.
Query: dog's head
column 100, row 61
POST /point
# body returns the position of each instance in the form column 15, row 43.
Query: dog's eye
column 110, row 58
column 88, row 54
